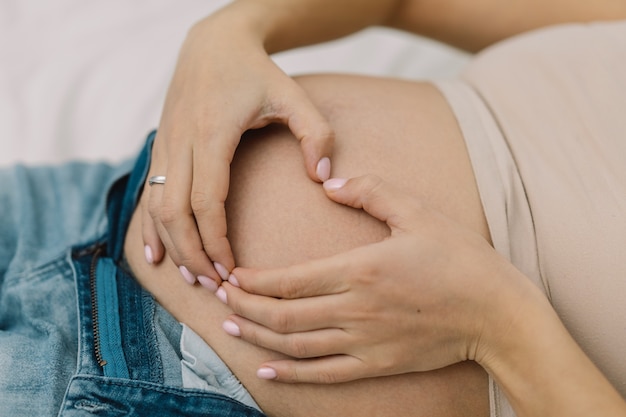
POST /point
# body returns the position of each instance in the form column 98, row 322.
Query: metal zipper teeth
column 94, row 307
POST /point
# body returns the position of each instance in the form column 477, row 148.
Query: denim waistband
column 120, row 369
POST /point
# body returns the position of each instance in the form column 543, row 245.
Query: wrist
column 539, row 366
column 519, row 311
column 239, row 20
column 271, row 26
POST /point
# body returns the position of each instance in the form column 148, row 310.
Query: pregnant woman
column 484, row 275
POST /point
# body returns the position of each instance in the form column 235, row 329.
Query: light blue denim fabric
column 59, row 263
column 43, row 212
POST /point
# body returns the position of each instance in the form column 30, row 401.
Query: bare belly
column 402, row 131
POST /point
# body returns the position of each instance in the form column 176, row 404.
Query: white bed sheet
column 86, row 80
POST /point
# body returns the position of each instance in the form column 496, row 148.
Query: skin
column 214, row 98
column 514, row 334
column 278, row 217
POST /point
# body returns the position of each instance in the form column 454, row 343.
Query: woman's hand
column 224, row 84
column 431, row 295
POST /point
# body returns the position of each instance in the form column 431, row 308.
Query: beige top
column 558, row 98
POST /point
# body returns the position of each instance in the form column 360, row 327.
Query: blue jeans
column 78, row 335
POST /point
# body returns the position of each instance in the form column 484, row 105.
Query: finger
column 282, row 315
column 153, row 247
column 310, row 344
column 177, row 219
column 315, row 134
column 324, row 370
column 378, row 198
column 154, row 193
column 154, row 204
column 309, row 279
column 211, row 178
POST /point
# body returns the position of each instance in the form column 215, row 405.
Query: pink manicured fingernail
column 207, row 283
column 266, row 373
column 233, row 280
column 231, row 328
column 147, row 250
column 334, row 184
column 221, row 294
column 221, row 270
column 323, row 169
column 187, row 275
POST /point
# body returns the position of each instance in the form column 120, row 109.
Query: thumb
column 377, row 197
column 316, row 137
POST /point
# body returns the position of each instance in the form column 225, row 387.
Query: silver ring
column 157, row 179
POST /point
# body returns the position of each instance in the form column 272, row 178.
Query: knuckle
column 288, row 288
column 201, row 202
column 281, row 321
column 372, row 183
column 318, row 136
column 365, row 274
column 167, row 214
column 369, row 187
column 154, row 208
column 386, row 365
column 326, row 377
column 185, row 257
column 251, row 335
column 296, row 347
column 325, row 133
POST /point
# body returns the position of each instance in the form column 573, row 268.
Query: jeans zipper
column 94, row 306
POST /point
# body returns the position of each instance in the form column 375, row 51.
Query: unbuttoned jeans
column 77, row 333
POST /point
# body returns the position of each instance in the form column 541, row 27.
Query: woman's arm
column 470, row 25
column 474, row 25
column 282, row 24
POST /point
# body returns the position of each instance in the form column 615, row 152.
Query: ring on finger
column 157, row 179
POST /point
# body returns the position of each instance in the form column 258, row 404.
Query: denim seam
column 134, row 383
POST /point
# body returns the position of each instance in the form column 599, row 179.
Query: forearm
column 543, row 371
column 474, row 25
column 288, row 24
